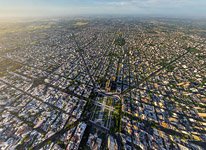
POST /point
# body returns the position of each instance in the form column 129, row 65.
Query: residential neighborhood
column 103, row 84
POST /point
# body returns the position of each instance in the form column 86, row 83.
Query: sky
column 167, row 8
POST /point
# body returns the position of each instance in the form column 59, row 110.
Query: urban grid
column 103, row 84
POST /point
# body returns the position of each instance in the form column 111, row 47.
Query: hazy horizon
column 54, row 8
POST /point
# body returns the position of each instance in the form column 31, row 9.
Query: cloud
column 147, row 3
column 68, row 7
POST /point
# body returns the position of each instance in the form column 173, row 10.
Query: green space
column 109, row 101
column 105, row 117
column 18, row 28
column 8, row 65
column 192, row 50
column 81, row 23
column 116, row 117
column 120, row 41
column 201, row 56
